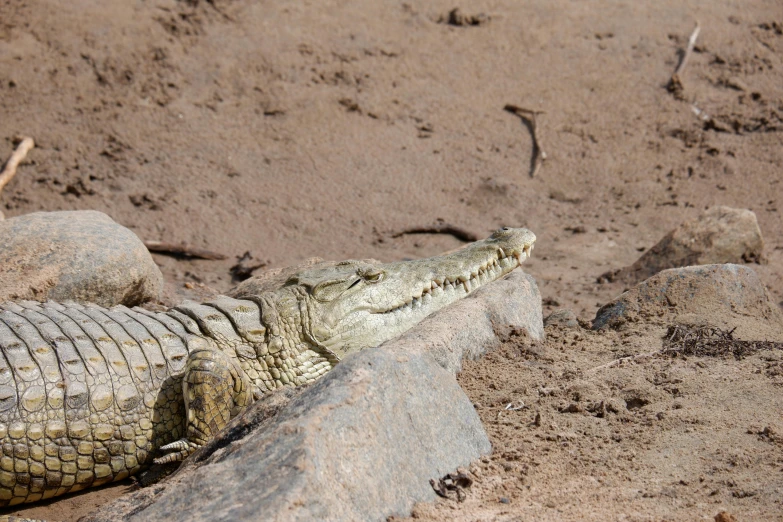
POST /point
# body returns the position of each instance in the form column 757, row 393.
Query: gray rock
column 726, row 296
column 563, row 318
column 477, row 324
column 81, row 256
column 360, row 444
column 719, row 235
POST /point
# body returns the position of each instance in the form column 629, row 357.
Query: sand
column 293, row 130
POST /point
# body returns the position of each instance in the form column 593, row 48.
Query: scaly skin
column 90, row 395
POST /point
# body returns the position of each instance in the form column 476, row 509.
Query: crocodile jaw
column 364, row 313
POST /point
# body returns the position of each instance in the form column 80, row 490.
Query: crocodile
column 90, row 395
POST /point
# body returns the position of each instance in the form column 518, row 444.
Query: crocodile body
column 90, row 395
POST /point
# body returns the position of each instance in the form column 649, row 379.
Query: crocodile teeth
column 466, row 285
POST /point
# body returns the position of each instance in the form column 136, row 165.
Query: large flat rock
column 81, row 255
column 727, row 295
column 360, row 444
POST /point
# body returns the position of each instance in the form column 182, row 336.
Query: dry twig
column 528, row 117
column 9, row 170
column 675, row 85
column 182, row 250
column 622, row 360
column 441, row 228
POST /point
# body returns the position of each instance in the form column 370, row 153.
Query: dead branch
column 182, row 250
column 9, row 169
column 622, row 360
column 528, row 117
column 675, row 85
column 441, row 228
column 710, row 341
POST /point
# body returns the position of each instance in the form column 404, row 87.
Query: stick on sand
column 675, row 85
column 528, row 117
column 9, row 170
column 182, row 250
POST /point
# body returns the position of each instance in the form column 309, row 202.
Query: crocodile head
column 359, row 304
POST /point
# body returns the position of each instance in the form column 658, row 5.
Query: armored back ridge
column 89, row 395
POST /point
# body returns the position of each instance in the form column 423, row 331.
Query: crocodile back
column 85, row 394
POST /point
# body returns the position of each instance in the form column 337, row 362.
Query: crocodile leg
column 215, row 390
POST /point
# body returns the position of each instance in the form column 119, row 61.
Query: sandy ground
column 291, row 130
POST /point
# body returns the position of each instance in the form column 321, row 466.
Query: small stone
column 572, row 408
column 563, row 318
column 725, row 516
column 75, row 255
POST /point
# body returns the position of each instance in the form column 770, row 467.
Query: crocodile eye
column 373, row 277
column 503, row 232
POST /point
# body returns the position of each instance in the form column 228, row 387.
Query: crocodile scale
column 87, row 393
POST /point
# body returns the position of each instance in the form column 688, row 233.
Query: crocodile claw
column 177, row 451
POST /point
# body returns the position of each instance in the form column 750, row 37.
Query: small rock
column 80, row 255
column 457, row 18
column 726, row 296
column 559, row 195
column 719, row 235
column 564, row 318
column 638, row 398
column 725, row 516
column 735, row 83
column 572, row 408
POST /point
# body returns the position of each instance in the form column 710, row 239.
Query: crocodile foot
column 179, row 451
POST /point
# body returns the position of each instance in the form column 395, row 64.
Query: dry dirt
column 298, row 129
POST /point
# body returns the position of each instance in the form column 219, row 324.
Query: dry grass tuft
column 710, row 341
